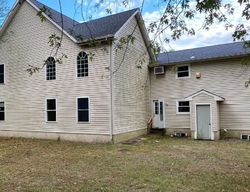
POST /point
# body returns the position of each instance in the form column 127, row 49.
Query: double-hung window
column 183, row 107
column 51, row 110
column 2, row 111
column 182, row 71
column 83, row 110
column 1, row 73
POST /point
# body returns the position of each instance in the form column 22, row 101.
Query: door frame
column 153, row 110
column 211, row 119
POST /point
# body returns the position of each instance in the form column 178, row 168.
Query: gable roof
column 101, row 29
column 203, row 91
column 222, row 51
column 94, row 29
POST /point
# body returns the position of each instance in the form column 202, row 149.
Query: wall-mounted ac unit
column 159, row 70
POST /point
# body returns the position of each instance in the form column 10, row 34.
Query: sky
column 152, row 10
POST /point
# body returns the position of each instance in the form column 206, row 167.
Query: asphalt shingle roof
column 98, row 28
column 203, row 53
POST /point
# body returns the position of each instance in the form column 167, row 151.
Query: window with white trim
column 83, row 110
column 51, row 68
column 2, row 111
column 82, row 65
column 51, row 110
column 1, row 73
column 183, row 71
column 183, row 107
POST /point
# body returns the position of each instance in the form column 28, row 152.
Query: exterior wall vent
column 180, row 134
column 159, row 70
column 245, row 137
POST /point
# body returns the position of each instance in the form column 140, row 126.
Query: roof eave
column 98, row 39
column 207, row 59
column 145, row 36
column 10, row 16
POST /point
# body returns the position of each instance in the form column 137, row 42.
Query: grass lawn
column 154, row 164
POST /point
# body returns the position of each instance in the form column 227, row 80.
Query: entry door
column 158, row 114
column 203, row 121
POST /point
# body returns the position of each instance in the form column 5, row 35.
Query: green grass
column 153, row 164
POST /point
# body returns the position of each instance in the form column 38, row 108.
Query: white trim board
column 203, row 91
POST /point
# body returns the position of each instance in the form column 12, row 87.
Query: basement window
column 2, row 111
column 182, row 71
column 183, row 107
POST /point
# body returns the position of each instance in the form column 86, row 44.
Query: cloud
column 216, row 35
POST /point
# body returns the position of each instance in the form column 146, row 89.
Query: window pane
column 184, row 103
column 183, row 74
column 1, row 73
column 1, row 106
column 83, row 116
column 1, row 78
column 51, row 116
column 83, row 103
column 1, row 69
column 184, row 109
column 182, row 68
column 156, row 108
column 2, row 118
column 51, row 104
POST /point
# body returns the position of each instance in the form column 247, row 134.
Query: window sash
column 2, row 111
column 51, row 110
column 82, row 65
column 51, row 69
column 182, row 72
column 1, row 73
column 183, row 107
column 83, row 110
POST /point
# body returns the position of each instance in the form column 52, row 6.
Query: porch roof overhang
column 203, row 91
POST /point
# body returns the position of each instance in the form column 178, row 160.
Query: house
column 83, row 99
column 107, row 93
column 202, row 92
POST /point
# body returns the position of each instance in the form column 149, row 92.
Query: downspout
column 111, row 90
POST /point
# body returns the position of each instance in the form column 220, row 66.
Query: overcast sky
column 151, row 11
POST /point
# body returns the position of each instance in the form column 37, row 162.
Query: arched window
column 82, row 65
column 50, row 68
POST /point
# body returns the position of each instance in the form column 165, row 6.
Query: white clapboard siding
column 130, row 84
column 225, row 78
column 25, row 95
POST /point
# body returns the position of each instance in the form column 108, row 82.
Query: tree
column 171, row 25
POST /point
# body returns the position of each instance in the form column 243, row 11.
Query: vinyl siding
column 25, row 95
column 130, row 84
column 225, row 78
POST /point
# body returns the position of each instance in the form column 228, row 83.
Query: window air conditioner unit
column 159, row 70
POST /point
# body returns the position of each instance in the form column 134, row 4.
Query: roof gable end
column 203, row 91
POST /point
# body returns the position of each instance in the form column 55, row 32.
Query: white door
column 203, row 122
column 158, row 114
